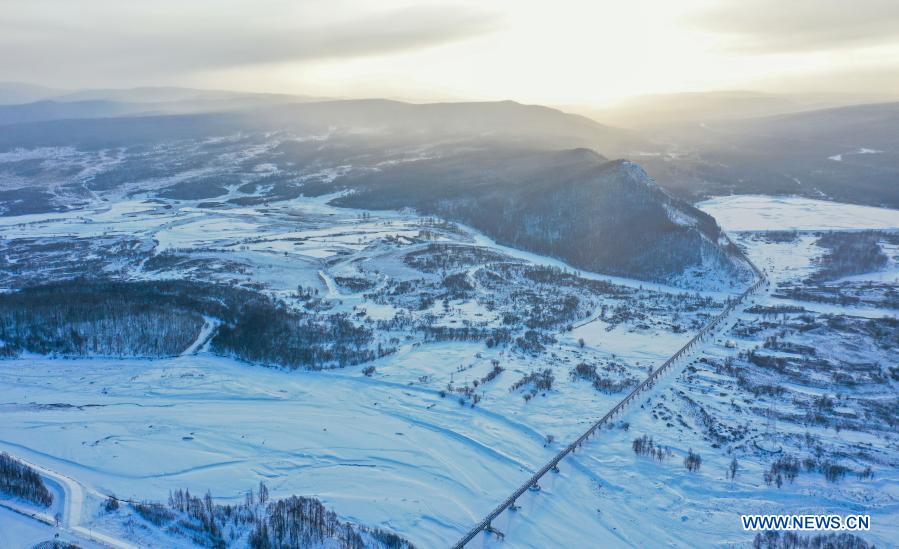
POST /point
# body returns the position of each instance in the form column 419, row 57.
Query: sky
column 590, row 52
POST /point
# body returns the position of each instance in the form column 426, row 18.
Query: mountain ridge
column 595, row 214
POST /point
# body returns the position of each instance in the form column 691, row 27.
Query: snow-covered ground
column 765, row 213
column 862, row 150
column 431, row 466
column 387, row 449
column 18, row 531
column 795, row 258
column 141, row 428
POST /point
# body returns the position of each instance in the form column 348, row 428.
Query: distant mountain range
column 526, row 175
column 849, row 154
column 23, row 103
column 695, row 145
column 653, row 113
column 54, row 124
column 17, row 93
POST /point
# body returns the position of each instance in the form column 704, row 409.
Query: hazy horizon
column 570, row 53
column 446, row 273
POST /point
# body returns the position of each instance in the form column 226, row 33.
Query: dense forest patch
column 19, row 480
column 575, row 205
column 163, row 318
column 93, row 319
column 257, row 522
column 849, row 254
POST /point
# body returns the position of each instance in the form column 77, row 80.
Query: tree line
column 162, row 318
column 21, row 481
column 258, row 522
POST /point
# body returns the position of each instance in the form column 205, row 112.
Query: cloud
column 767, row 26
column 875, row 84
column 158, row 39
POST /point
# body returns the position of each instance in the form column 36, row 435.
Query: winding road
column 72, row 503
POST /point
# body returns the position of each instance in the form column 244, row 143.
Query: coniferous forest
column 162, row 318
column 257, row 522
column 20, row 481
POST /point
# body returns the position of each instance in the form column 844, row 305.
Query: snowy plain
column 387, row 449
column 766, row 213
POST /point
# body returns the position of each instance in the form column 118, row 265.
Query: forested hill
column 526, row 175
column 599, row 215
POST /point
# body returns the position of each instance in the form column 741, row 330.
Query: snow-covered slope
column 427, row 438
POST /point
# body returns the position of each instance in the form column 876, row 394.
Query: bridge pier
column 499, row 535
column 647, row 384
